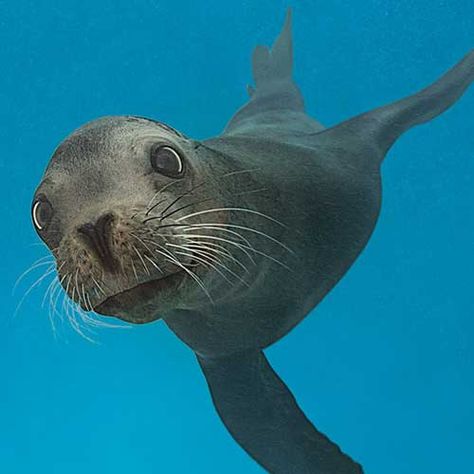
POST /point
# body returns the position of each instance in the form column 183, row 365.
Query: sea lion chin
column 136, row 304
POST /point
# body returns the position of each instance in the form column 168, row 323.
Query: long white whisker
column 141, row 241
column 52, row 309
column 102, row 324
column 50, row 287
column 34, row 285
column 76, row 310
column 169, row 256
column 219, row 249
column 206, row 263
column 96, row 283
column 212, row 259
column 34, row 266
column 242, row 247
column 141, row 259
column 54, row 297
column 249, row 229
column 53, row 284
column 214, row 227
column 153, row 263
column 77, row 327
column 233, row 173
column 235, row 209
column 134, row 269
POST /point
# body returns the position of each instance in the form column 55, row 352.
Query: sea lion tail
column 381, row 127
column 262, row 415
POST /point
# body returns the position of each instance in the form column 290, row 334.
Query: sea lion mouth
column 128, row 300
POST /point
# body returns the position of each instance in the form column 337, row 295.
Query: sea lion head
column 115, row 206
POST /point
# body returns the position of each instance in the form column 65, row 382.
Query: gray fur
column 311, row 197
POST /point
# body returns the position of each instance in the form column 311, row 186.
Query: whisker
column 162, row 217
column 164, row 188
column 103, row 324
column 216, row 261
column 34, row 266
column 76, row 310
column 181, row 196
column 252, row 191
column 169, row 256
column 233, row 209
column 141, row 259
column 233, row 173
column 98, row 286
column 52, row 284
column 205, row 263
column 221, row 264
column 54, row 298
column 226, row 175
column 54, row 281
column 153, row 263
column 34, row 285
column 249, row 229
column 216, row 227
column 148, row 248
column 195, row 203
column 242, row 247
column 148, row 212
column 49, row 288
column 219, row 249
column 133, row 268
column 51, row 311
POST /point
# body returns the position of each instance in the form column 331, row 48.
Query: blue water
column 385, row 365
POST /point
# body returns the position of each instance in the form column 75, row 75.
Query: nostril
column 88, row 230
column 97, row 237
column 106, row 219
column 103, row 224
column 101, row 229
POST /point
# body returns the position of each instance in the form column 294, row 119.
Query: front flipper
column 263, row 417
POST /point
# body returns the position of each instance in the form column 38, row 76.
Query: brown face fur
column 117, row 227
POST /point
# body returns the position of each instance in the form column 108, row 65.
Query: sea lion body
column 328, row 207
column 232, row 240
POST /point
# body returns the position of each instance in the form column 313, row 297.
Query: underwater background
column 384, row 366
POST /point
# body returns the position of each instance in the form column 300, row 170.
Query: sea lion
column 231, row 241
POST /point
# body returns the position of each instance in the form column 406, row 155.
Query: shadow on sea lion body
column 232, row 240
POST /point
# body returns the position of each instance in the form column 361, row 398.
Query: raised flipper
column 276, row 104
column 263, row 417
column 370, row 135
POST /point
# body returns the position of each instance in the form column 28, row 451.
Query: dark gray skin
column 235, row 251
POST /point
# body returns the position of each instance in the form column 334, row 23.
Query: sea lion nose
column 97, row 236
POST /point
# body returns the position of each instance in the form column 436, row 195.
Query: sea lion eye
column 167, row 161
column 41, row 213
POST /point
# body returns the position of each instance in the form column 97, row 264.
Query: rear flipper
column 373, row 133
column 276, row 105
column 263, row 417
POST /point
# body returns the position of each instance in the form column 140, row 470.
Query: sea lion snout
column 97, row 237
